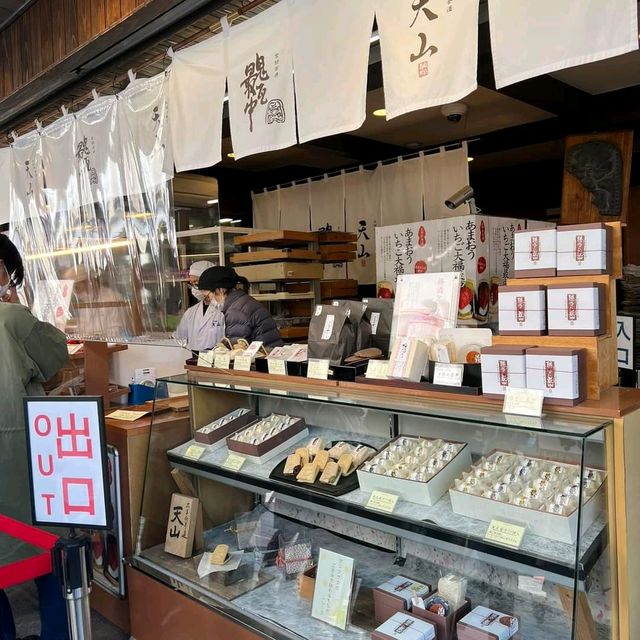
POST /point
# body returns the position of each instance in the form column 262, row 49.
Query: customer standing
column 244, row 316
column 32, row 352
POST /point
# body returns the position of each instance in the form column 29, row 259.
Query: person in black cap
column 244, row 316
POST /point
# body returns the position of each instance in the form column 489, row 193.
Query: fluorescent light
column 214, row 201
column 231, row 155
column 380, row 113
column 470, row 159
column 70, row 252
column 225, row 220
column 235, row 221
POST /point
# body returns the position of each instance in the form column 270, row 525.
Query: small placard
column 505, row 533
column 333, row 589
column 128, row 416
column 377, row 370
column 448, row 375
column 253, row 348
column 318, row 369
column 380, row 501
column 277, row 367
column 194, row 452
column 523, row 402
column 222, row 361
column 234, row 462
column 205, row 359
column 242, row 363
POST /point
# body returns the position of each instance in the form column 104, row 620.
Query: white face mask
column 198, row 294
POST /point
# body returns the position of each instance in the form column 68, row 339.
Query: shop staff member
column 32, row 352
column 202, row 326
column 244, row 316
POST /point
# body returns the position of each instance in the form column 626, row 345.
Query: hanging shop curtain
column 330, row 57
column 362, row 210
column 429, row 52
column 196, row 93
column 260, row 83
column 444, row 173
column 5, row 185
column 401, row 191
column 294, row 208
column 529, row 39
column 266, row 209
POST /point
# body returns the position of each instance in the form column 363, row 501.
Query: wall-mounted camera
column 454, row 112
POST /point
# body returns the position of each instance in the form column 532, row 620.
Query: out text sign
column 67, row 461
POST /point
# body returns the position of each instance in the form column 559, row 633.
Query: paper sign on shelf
column 234, row 462
column 449, row 375
column 377, row 370
column 277, row 367
column 128, row 416
column 523, row 402
column 505, row 533
column 333, row 588
column 242, row 363
column 194, row 452
column 222, row 361
column 380, row 501
column 205, row 359
column 318, row 369
column 253, row 349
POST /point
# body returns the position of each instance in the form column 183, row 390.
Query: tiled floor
column 24, row 602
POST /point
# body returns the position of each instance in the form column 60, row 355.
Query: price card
column 318, row 369
column 242, row 363
column 277, row 367
column 205, row 359
column 505, row 533
column 252, row 349
column 194, row 452
column 129, row 416
column 380, row 501
column 377, row 370
column 234, row 462
column 333, row 589
column 222, row 361
column 523, row 402
column 449, row 375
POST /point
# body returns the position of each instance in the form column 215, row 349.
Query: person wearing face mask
column 244, row 316
column 201, row 326
column 32, row 353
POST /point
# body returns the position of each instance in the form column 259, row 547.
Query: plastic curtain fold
column 196, row 94
column 401, row 191
column 329, row 35
column 5, row 185
column 259, row 64
column 529, row 39
column 266, row 209
column 91, row 215
column 429, row 52
column 444, row 173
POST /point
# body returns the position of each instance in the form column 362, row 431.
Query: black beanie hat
column 218, row 278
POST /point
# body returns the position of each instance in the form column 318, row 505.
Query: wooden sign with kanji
column 181, row 528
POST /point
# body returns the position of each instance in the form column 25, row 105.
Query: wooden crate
column 277, row 239
column 269, row 255
column 336, row 237
column 268, row 272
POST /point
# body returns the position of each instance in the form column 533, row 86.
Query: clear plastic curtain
column 91, row 214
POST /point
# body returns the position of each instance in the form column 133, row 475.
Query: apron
column 202, row 330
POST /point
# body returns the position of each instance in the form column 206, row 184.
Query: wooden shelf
column 282, row 296
column 281, row 271
column 277, row 239
column 291, row 333
column 112, row 348
column 116, row 393
column 336, row 237
column 269, row 255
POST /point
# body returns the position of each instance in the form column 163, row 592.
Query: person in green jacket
column 32, row 352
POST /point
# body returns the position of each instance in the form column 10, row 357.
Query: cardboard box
column 576, row 309
column 395, row 595
column 535, row 253
column 402, row 626
column 584, row 249
column 216, row 438
column 522, row 310
column 486, row 624
column 408, row 360
column 503, row 366
column 445, row 625
column 281, row 271
column 426, row 493
column 559, row 372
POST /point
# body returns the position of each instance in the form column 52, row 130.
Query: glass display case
column 516, row 506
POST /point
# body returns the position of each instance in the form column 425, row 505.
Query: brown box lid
column 506, row 349
column 579, row 285
column 555, row 351
column 511, row 288
column 578, row 227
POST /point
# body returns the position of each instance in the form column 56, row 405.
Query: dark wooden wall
column 49, row 31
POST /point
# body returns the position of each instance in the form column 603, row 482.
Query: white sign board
column 625, row 333
column 67, row 461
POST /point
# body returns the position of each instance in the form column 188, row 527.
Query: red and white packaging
column 503, row 366
column 535, row 253
column 559, row 372
column 522, row 310
column 584, row 249
column 576, row 309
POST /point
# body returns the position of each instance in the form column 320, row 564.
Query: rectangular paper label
column 332, row 593
column 318, row 369
column 277, row 367
column 253, row 348
column 449, row 375
column 375, row 319
column 505, row 533
column 242, row 363
column 523, row 402
column 205, row 359
column 234, row 462
column 222, row 361
column 378, row 370
column 328, row 327
column 194, row 452
column 129, row 416
column 380, row 501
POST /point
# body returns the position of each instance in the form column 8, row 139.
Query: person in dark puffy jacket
column 244, row 316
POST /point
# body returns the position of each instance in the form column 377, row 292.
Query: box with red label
column 486, row 624
column 584, row 249
column 503, row 366
column 535, row 253
column 522, row 310
column 395, row 595
column 559, row 372
column 576, row 309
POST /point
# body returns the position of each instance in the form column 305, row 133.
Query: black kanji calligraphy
column 254, row 87
column 421, row 5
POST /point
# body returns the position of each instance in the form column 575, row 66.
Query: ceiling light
column 470, row 159
column 116, row 244
column 231, row 155
column 236, row 221
column 380, row 113
column 214, row 201
column 225, row 220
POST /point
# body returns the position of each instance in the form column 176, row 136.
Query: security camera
column 454, row 112
column 459, row 197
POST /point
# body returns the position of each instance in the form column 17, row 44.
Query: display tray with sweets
column 267, row 437
column 215, row 433
column 425, row 385
column 345, row 483
column 537, row 492
column 417, row 469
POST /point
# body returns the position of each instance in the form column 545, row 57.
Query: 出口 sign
column 67, row 461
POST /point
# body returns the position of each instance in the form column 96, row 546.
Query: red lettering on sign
column 36, row 425
column 49, row 471
column 48, row 498
column 75, row 434
column 86, row 507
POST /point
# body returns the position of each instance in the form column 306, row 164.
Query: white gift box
column 408, row 360
column 488, row 624
column 522, row 310
column 584, row 249
column 576, row 309
column 559, row 372
column 503, row 366
column 535, row 253
column 404, row 627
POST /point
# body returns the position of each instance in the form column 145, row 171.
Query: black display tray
column 345, row 484
column 345, row 372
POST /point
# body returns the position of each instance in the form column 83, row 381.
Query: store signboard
column 67, row 458
column 626, row 331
